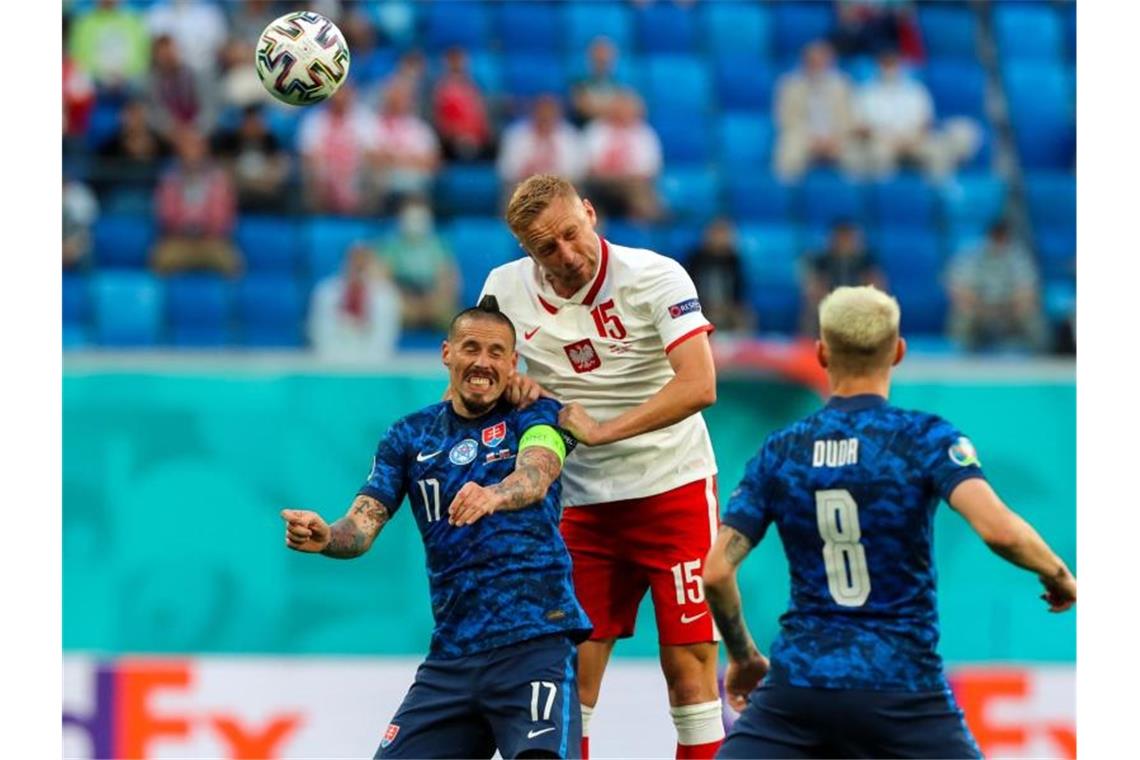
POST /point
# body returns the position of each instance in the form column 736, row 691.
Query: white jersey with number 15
column 607, row 348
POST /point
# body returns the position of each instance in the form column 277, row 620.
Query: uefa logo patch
column 494, row 435
column 464, row 452
column 389, row 735
column 683, row 308
column 963, row 453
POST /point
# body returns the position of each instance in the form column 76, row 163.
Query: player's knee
column 691, row 689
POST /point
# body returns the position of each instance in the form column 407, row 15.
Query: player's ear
column 900, row 352
column 591, row 214
column 445, row 352
column 821, row 353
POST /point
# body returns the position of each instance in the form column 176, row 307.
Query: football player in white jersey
column 617, row 334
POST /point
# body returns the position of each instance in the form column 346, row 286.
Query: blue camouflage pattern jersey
column 504, row 579
column 852, row 490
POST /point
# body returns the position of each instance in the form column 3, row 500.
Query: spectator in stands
column 239, row 86
column 78, row 100
column 80, row 210
column 248, row 18
column 338, row 143
column 355, row 315
column 198, row 28
column 110, row 43
column 591, row 95
column 459, row 112
column 411, row 73
column 408, row 150
column 623, row 158
column 130, row 158
column 178, row 96
column 845, row 261
column 423, row 268
column 196, row 210
column 994, row 295
column 895, row 125
column 257, row 162
column 545, row 143
column 813, row 116
column 867, row 27
column 718, row 274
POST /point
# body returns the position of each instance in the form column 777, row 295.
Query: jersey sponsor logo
column 583, row 357
column 494, row 435
column 963, row 453
column 686, row 619
column 835, row 453
column 683, row 308
column 463, row 452
column 498, row 456
column 530, row 333
column 532, row 733
column 389, row 735
column 422, row 457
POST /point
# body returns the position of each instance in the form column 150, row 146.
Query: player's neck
column 873, row 385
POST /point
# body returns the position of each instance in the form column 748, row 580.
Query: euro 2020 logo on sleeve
column 463, row 452
column 963, row 453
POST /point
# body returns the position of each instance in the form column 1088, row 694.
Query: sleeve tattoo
column 352, row 535
column 537, row 467
column 725, row 604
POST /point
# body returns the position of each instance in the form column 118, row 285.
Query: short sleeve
column 387, row 480
column 544, row 412
column 749, row 507
column 674, row 307
column 948, row 457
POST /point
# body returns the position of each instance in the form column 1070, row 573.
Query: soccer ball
column 302, row 58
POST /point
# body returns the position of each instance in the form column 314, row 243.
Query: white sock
column 587, row 713
column 698, row 724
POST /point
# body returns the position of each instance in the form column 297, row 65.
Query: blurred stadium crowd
column 777, row 148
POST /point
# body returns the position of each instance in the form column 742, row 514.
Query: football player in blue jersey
column 852, row 490
column 481, row 477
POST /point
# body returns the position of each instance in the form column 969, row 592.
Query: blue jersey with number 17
column 852, row 490
column 504, row 579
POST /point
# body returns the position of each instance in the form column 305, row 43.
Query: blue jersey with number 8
column 852, row 490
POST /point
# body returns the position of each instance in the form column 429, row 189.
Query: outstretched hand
column 305, row 531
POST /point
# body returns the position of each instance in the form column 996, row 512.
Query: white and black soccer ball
column 302, row 58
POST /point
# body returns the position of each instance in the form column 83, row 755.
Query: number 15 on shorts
column 687, row 579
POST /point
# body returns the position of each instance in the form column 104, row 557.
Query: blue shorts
column 794, row 722
column 521, row 699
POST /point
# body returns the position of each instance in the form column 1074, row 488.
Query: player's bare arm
column 348, row 537
column 692, row 388
column 535, row 469
column 1014, row 540
column 746, row 664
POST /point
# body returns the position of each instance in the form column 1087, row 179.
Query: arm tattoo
column 351, row 535
column 725, row 602
column 537, row 467
column 738, row 545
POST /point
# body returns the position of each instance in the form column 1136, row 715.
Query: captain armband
column 546, row 437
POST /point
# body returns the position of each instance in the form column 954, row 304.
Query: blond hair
column 531, row 198
column 860, row 327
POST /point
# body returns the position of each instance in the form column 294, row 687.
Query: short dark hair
column 488, row 308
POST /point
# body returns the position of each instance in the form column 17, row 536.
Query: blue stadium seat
column 924, row 306
column 479, row 244
column 827, row 197
column 629, row 234
column 1069, row 19
column 913, row 263
column 122, row 241
column 963, row 237
column 904, row 200
column 1059, row 297
column 948, row 31
column 526, row 76
column 127, row 308
column 269, row 243
column 531, row 27
column 768, row 243
column 462, row 24
column 770, row 255
column 757, row 197
column 198, row 309
column 665, row 28
column 690, row 193
column 677, row 241
column 328, row 241
column 270, row 311
column 103, row 125
column 1052, row 199
column 743, row 82
column 76, row 299
column 677, row 83
column 128, row 201
column 746, row 141
column 1028, row 32
column 487, row 70
column 587, row 20
column 683, row 141
column 973, row 199
column 467, row 189
column 795, row 24
column 284, row 122
column 1042, row 106
column 739, row 28
column 958, row 88
column 1057, row 251
column 368, row 69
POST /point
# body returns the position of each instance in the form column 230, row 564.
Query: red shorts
column 622, row 548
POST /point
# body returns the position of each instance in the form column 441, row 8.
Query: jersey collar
column 551, row 302
column 856, row 403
